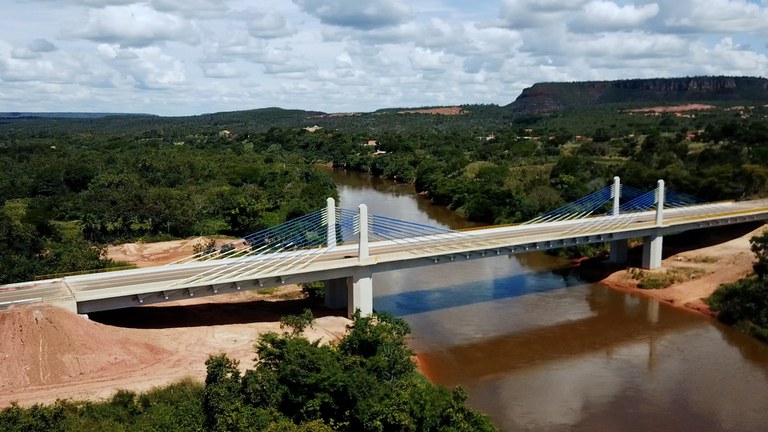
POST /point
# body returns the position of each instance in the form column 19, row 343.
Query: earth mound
column 45, row 345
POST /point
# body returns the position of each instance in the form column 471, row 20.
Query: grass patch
column 664, row 279
column 703, row 259
column 72, row 230
column 267, row 291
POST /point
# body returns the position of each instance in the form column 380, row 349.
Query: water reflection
column 611, row 322
column 394, row 200
column 486, row 290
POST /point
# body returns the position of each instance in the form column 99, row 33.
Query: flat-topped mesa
column 555, row 96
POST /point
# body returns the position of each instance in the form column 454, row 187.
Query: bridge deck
column 171, row 282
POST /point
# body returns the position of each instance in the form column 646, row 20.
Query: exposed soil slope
column 158, row 253
column 46, row 345
column 437, row 111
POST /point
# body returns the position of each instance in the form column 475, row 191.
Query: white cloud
column 220, row 70
column 243, row 46
column 522, row 14
column 134, row 26
column 601, row 15
column 15, row 70
column 95, row 3
column 427, row 60
column 344, row 61
column 41, row 45
column 148, row 68
column 292, row 66
column 24, row 54
column 361, row 14
column 270, row 25
column 193, row 56
column 728, row 58
column 192, row 8
column 712, row 16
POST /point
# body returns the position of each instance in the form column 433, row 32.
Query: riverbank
column 697, row 271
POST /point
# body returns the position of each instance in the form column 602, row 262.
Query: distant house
column 312, row 129
column 371, row 143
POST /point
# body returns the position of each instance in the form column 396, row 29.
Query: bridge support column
column 652, row 245
column 331, row 228
column 68, row 304
column 336, row 292
column 361, row 294
column 619, row 251
column 618, row 247
column 616, row 195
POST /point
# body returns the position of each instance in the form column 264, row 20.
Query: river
column 537, row 349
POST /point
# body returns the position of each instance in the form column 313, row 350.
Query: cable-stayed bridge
column 346, row 248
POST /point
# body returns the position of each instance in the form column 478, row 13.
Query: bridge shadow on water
column 212, row 313
column 413, row 302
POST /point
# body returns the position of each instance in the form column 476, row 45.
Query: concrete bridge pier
column 336, row 292
column 352, row 292
column 361, row 294
column 652, row 246
column 619, row 251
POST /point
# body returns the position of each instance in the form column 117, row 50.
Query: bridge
column 346, row 248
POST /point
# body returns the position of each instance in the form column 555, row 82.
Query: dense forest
column 66, row 195
column 367, row 382
column 70, row 186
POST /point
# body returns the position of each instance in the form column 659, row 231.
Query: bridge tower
column 618, row 248
column 356, row 291
column 652, row 243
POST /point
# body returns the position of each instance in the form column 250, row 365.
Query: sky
column 187, row 57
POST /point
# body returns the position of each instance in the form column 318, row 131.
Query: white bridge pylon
column 345, row 248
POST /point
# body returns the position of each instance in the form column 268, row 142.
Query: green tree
column 223, row 407
column 745, row 303
column 759, row 246
column 298, row 323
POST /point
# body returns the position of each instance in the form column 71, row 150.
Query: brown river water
column 537, row 349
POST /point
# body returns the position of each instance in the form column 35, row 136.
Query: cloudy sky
column 180, row 57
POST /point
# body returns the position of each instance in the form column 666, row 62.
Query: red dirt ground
column 673, row 109
column 437, row 111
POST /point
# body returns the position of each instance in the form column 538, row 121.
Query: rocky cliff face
column 549, row 97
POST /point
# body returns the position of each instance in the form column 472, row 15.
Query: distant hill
column 66, row 115
column 555, row 96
